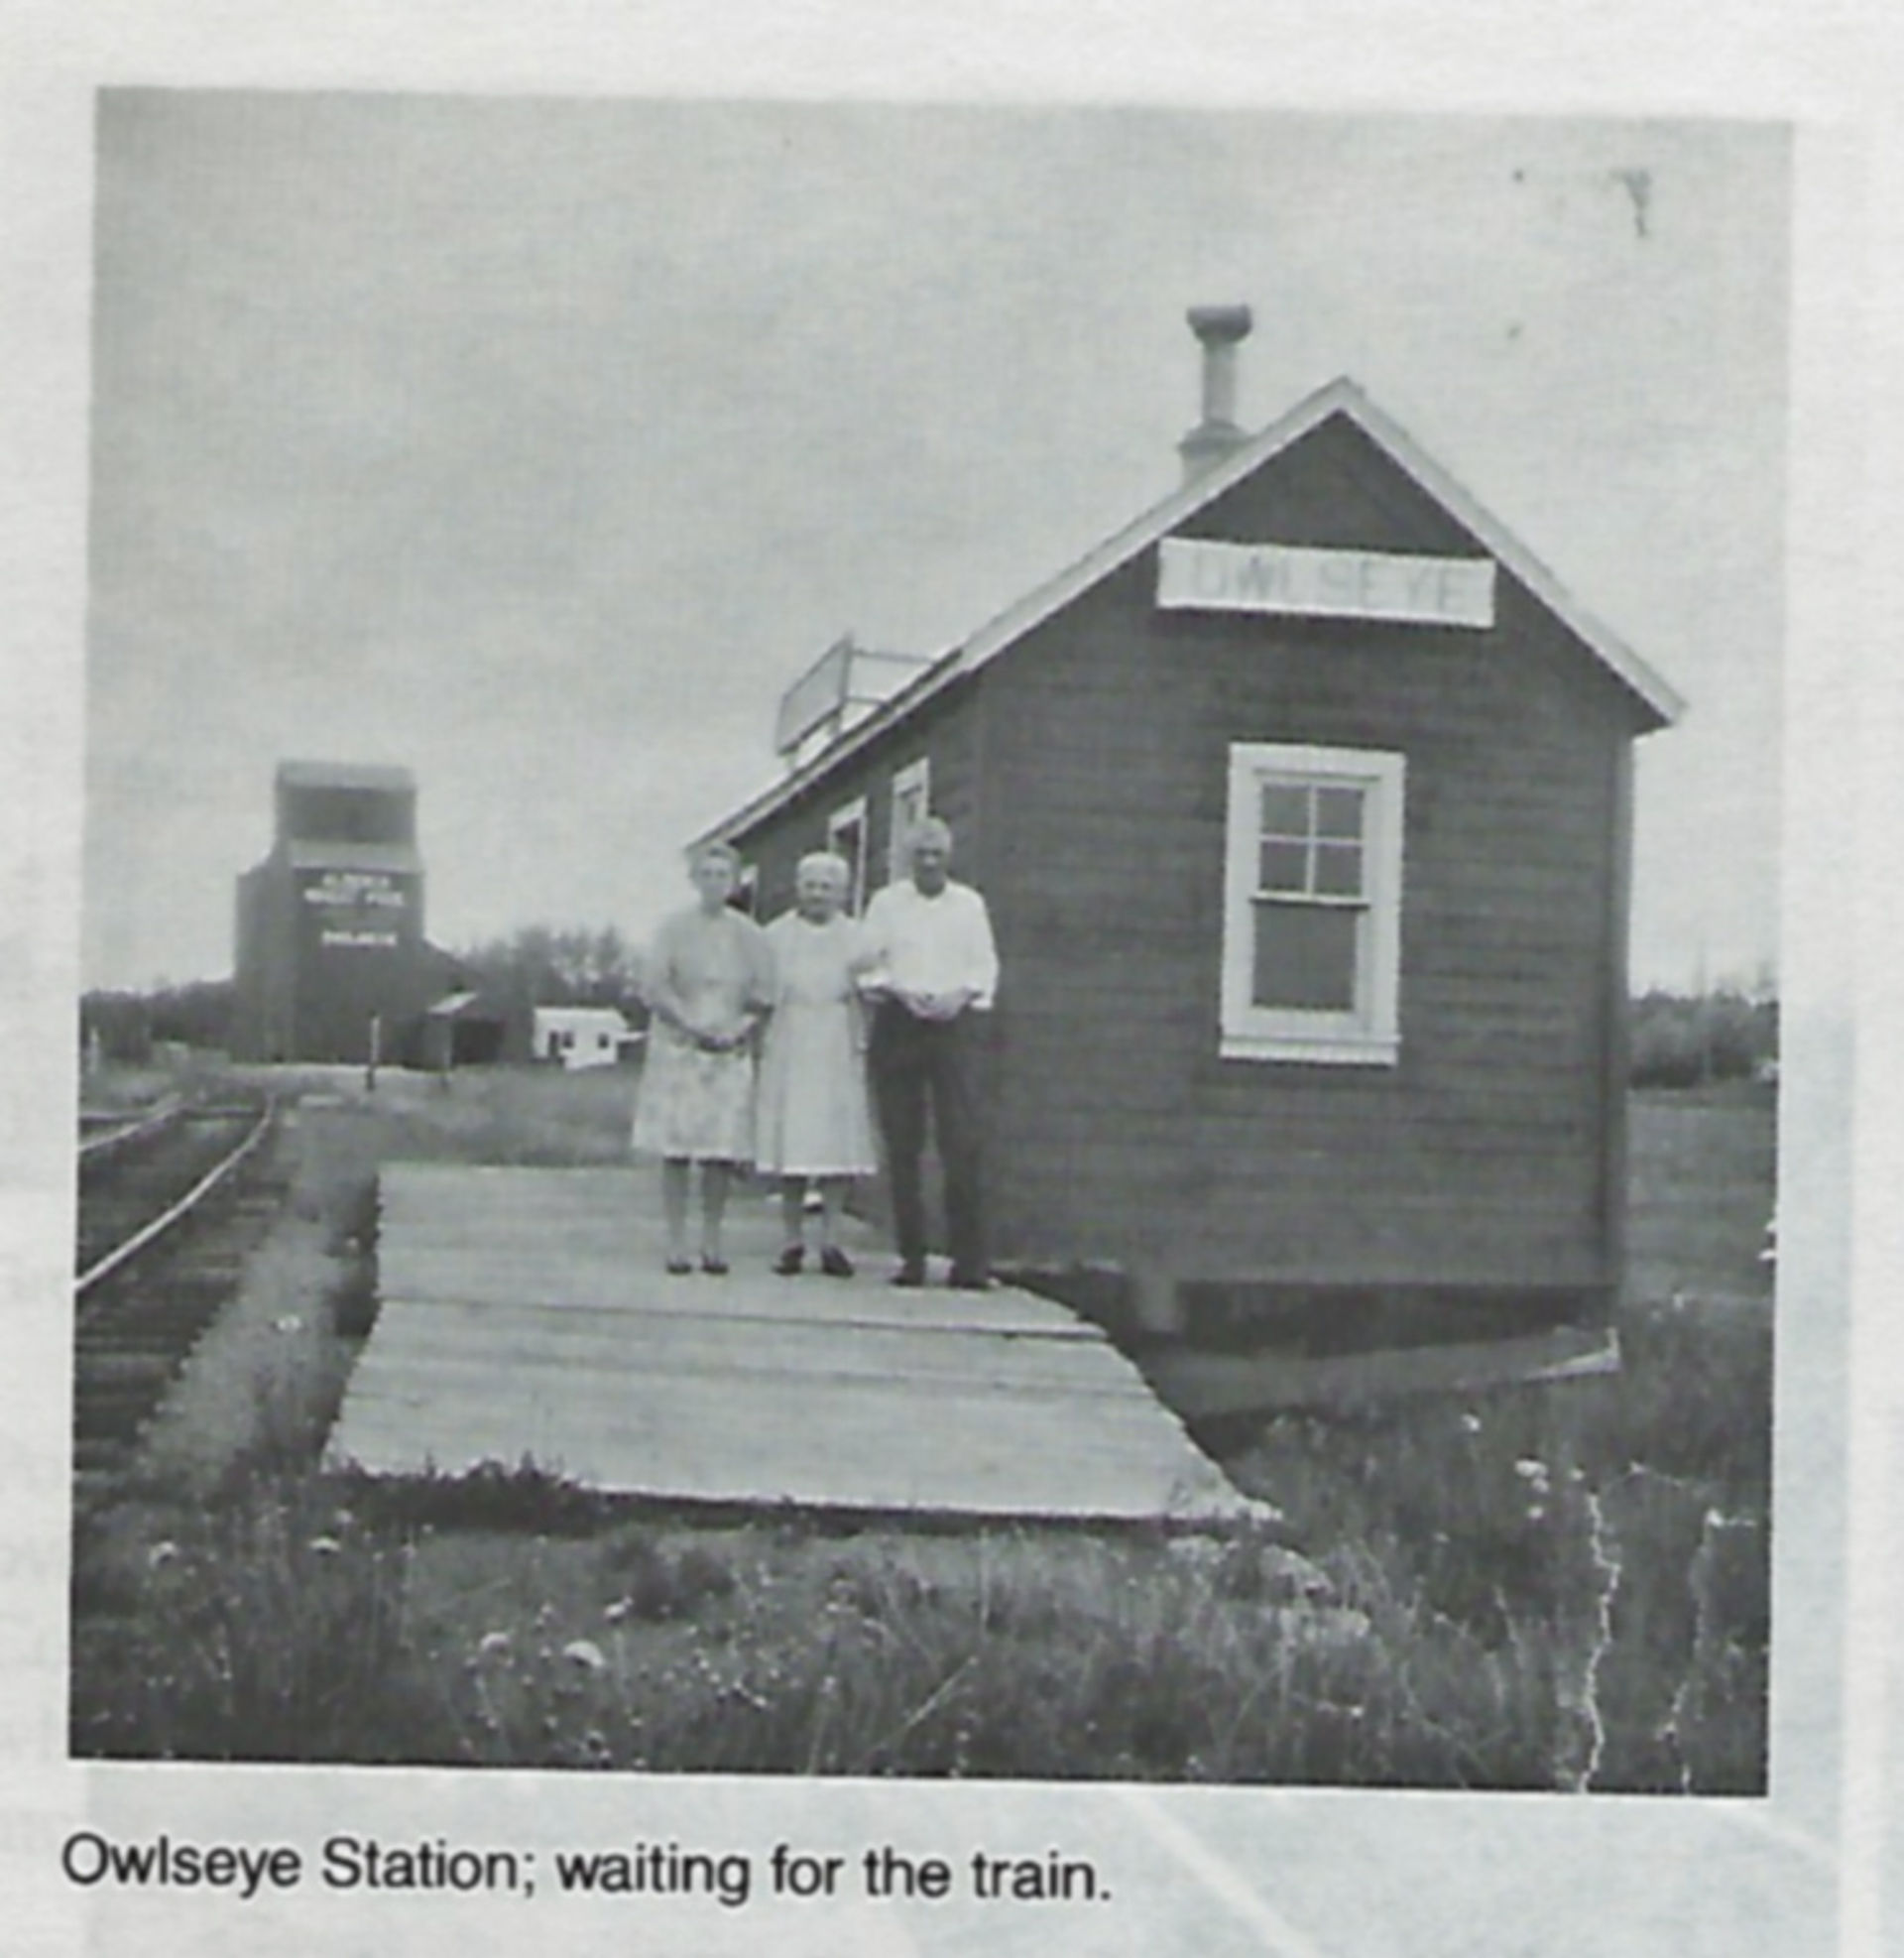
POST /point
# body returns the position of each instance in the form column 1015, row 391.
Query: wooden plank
column 874, row 1463
column 611, row 1287
column 678, row 1397
column 832, row 1420
column 978, row 1372
column 875, row 1441
column 1004, row 1492
column 1113, row 1395
column 537, row 1336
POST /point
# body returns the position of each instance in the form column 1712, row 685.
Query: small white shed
column 581, row 1035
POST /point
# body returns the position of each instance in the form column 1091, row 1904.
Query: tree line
column 1687, row 1041
column 538, row 965
column 542, row 966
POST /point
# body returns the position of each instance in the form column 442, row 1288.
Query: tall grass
column 1617, row 1525
column 287, row 1632
column 263, row 1629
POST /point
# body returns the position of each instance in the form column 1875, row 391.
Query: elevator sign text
column 1198, row 574
column 360, row 907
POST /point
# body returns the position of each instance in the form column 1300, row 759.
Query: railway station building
column 1302, row 805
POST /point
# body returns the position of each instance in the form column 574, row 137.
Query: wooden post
column 376, row 1046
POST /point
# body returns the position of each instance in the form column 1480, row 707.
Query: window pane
column 1283, row 867
column 1339, row 812
column 1339, row 870
column 1306, row 957
column 1285, row 809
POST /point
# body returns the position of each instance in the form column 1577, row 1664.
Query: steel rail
column 145, row 1125
column 129, row 1248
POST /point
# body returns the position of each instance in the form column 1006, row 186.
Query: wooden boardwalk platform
column 524, row 1316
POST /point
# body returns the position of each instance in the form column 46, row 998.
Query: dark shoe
column 969, row 1280
column 835, row 1263
column 715, row 1267
column 678, row 1267
column 912, row 1276
column 788, row 1263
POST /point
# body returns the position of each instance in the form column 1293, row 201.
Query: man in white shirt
column 934, row 974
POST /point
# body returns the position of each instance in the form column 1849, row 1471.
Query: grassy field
column 1553, row 1587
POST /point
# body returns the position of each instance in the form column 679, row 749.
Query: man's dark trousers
column 916, row 1062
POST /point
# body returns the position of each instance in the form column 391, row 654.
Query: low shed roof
column 1339, row 397
column 463, row 1006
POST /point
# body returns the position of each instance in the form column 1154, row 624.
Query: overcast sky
column 537, row 445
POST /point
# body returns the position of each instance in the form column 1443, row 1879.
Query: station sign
column 1201, row 574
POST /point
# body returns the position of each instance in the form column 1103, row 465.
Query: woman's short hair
column 724, row 852
column 825, row 863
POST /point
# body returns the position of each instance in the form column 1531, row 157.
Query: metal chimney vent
column 1219, row 329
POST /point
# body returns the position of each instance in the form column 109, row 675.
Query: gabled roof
column 1339, row 397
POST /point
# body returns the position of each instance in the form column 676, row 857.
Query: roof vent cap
column 1219, row 329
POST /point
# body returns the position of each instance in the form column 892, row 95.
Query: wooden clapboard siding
column 1121, row 1132
column 524, row 1317
column 947, row 732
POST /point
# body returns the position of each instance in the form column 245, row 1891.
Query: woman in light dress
column 813, row 1123
column 708, row 985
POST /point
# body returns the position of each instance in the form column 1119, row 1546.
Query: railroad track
column 113, row 1133
column 167, row 1212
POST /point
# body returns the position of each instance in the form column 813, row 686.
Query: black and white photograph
column 933, row 948
column 976, row 1032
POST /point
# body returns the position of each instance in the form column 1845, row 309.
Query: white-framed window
column 846, row 837
column 1312, row 905
column 911, row 805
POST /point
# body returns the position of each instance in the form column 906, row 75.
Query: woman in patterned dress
column 813, row 1123
column 709, row 983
